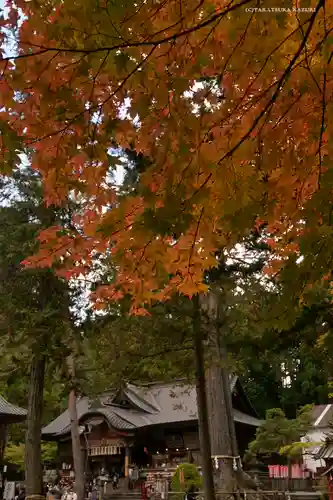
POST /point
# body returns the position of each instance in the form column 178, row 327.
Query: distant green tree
column 34, row 309
column 186, row 478
column 279, row 435
column 294, row 362
column 15, row 453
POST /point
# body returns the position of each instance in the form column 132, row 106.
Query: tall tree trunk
column 222, row 430
column 3, row 441
column 78, row 459
column 33, row 463
column 204, row 435
column 228, row 398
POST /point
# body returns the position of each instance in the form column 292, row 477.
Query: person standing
column 130, row 478
column 21, row 495
column 115, row 479
column 135, row 476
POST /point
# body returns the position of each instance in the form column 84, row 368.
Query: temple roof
column 10, row 413
column 136, row 407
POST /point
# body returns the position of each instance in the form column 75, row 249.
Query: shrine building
column 150, row 426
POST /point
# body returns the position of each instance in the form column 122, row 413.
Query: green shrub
column 192, row 480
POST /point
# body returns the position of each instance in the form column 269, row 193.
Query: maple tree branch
column 93, row 89
column 247, row 90
column 113, row 25
column 147, row 43
column 240, row 42
column 48, row 64
column 273, row 98
column 322, row 127
column 150, row 356
column 268, row 108
column 282, row 117
column 135, row 13
column 306, row 59
column 307, row 54
column 323, row 115
column 195, row 238
column 160, row 353
column 264, row 92
column 279, row 84
column 97, row 106
column 220, row 76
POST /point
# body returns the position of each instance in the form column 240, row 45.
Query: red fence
column 297, row 471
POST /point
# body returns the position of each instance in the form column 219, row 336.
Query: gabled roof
column 10, row 413
column 142, row 397
column 149, row 405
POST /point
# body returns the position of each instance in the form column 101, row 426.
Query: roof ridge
column 161, row 383
column 131, row 392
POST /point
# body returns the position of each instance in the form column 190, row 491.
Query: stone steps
column 122, row 495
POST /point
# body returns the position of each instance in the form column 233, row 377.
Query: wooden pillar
column 127, row 459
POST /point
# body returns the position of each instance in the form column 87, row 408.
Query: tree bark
column 204, row 435
column 78, row 459
column 222, row 429
column 3, row 442
column 228, row 399
column 33, row 464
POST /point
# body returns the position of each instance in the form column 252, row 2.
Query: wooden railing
column 294, row 484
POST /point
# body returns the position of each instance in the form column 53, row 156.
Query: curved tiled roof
column 142, row 398
column 156, row 404
column 111, row 417
column 11, row 412
column 58, row 425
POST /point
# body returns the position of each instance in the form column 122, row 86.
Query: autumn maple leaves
column 270, row 134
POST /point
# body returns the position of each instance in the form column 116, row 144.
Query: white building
column 321, row 430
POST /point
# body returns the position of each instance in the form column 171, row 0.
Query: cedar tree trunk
column 78, row 459
column 204, row 435
column 33, row 463
column 222, row 430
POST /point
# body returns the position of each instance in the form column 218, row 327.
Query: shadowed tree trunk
column 33, row 464
column 204, row 435
column 221, row 423
column 3, row 441
column 78, row 459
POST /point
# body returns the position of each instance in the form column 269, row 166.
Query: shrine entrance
column 106, row 450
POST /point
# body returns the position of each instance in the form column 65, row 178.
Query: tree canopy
column 237, row 132
column 14, row 454
column 280, row 435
